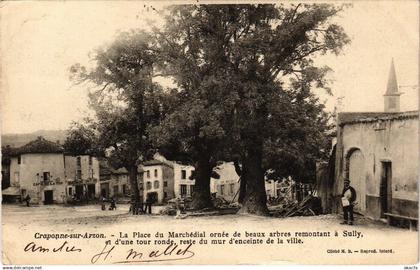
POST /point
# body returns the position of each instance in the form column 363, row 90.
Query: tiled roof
column 40, row 145
column 155, row 162
column 364, row 117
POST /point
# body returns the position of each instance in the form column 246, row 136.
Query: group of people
column 112, row 206
column 145, row 208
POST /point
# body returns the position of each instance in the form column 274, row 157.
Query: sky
column 40, row 41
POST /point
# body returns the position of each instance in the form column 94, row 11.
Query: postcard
column 192, row 133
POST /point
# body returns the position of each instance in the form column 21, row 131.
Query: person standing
column 27, row 199
column 348, row 197
column 148, row 208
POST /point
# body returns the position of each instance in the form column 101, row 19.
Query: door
column 91, row 191
column 48, row 197
column 385, row 188
column 105, row 190
column 79, row 192
column 357, row 179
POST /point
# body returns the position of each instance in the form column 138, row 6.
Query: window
column 148, row 185
column 222, row 189
column 148, row 174
column 78, row 174
column 46, row 176
column 124, row 189
column 165, row 195
column 156, row 173
column 165, row 184
column 156, row 184
column 192, row 189
column 183, row 174
column 115, row 190
column 78, row 162
column 231, row 188
column 90, row 160
column 70, row 191
column 23, row 191
column 183, row 190
column 19, row 159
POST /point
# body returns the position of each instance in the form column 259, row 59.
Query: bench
column 413, row 220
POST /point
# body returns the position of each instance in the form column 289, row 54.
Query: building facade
column 380, row 156
column 379, row 153
column 115, row 182
column 227, row 185
column 183, row 182
column 158, row 181
column 37, row 170
column 82, row 177
column 43, row 171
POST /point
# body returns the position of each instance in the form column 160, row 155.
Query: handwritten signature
column 172, row 252
column 64, row 247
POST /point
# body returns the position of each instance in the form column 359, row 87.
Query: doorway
column 91, row 191
column 357, row 177
column 386, row 188
column 105, row 190
column 48, row 197
column 79, row 192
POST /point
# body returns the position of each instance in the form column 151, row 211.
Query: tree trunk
column 202, row 197
column 242, row 188
column 242, row 184
column 255, row 198
column 136, row 198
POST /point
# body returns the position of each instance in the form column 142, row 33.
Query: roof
column 106, row 169
column 155, row 162
column 119, row 171
column 345, row 118
column 41, row 146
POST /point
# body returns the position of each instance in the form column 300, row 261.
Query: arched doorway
column 356, row 174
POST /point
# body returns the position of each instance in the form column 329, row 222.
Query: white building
column 158, row 181
column 41, row 170
column 183, row 185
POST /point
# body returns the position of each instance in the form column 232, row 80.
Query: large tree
column 126, row 102
column 193, row 131
column 80, row 140
column 242, row 57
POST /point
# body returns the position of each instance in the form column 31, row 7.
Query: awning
column 11, row 191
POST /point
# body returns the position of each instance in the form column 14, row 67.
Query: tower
column 392, row 96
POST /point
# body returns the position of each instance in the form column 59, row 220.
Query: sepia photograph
column 209, row 133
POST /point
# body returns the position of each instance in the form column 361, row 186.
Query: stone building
column 37, row 169
column 379, row 153
column 43, row 171
column 158, row 181
column 183, row 182
column 115, row 182
column 82, row 176
column 227, row 185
